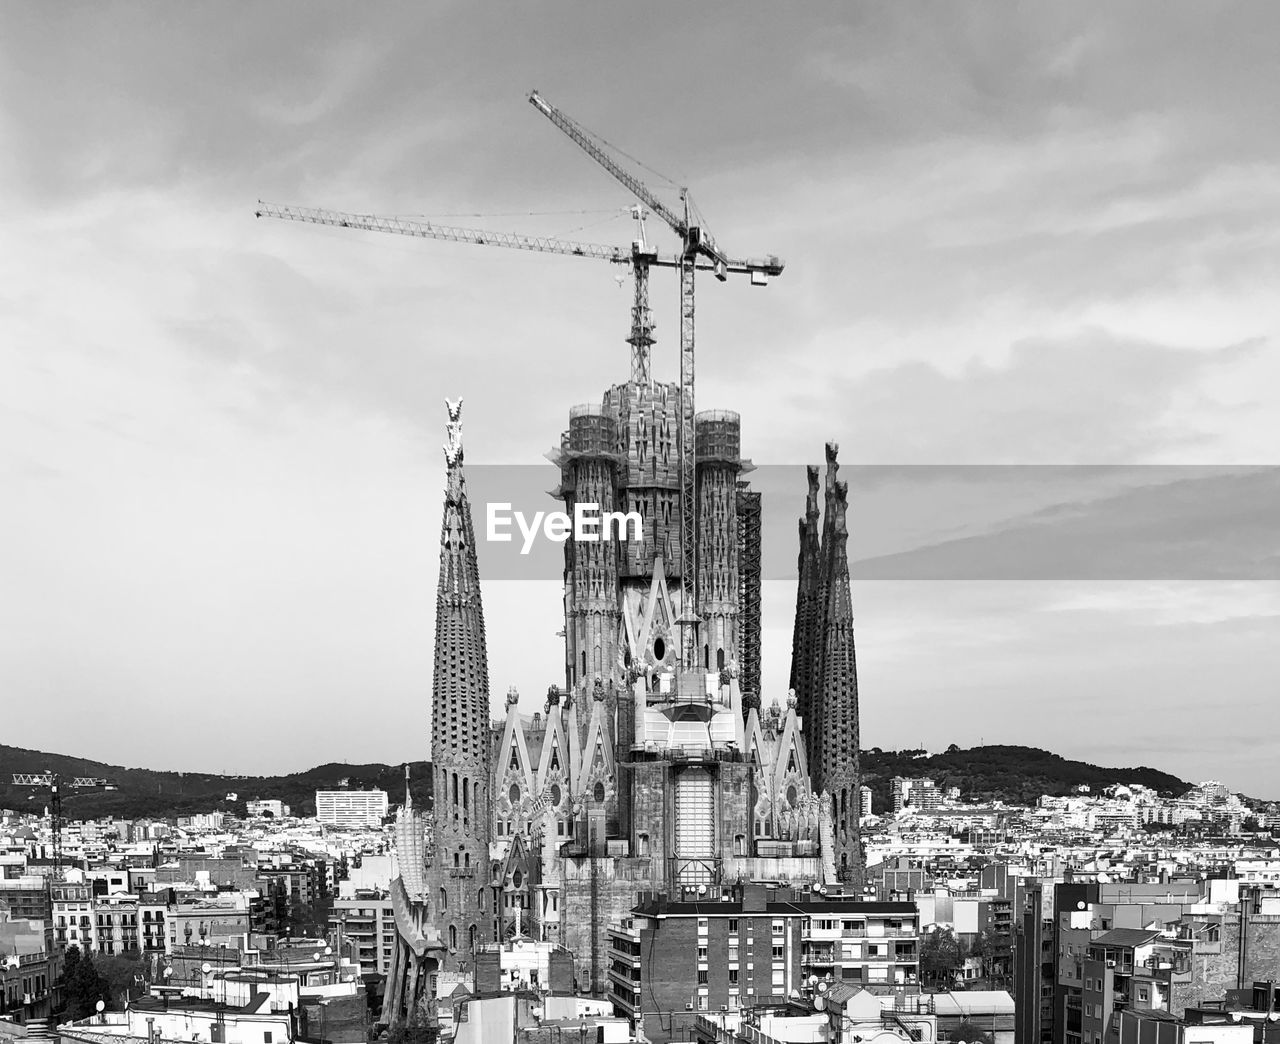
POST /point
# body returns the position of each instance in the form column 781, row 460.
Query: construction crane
column 52, row 782
column 696, row 244
column 697, row 251
column 638, row 257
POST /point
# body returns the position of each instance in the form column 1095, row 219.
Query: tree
column 968, row 1033
column 120, row 975
column 940, row 957
column 84, row 986
column 69, row 961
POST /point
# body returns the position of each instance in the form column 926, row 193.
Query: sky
column 1030, row 288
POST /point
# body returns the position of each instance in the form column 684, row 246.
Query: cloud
column 1039, row 236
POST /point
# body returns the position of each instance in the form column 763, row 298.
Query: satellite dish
column 206, row 967
column 1103, row 879
column 702, row 889
column 1080, row 905
column 820, row 1003
column 823, row 987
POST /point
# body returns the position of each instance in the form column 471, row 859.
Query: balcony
column 818, row 955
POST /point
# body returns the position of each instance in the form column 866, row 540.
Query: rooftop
column 1126, row 937
column 734, row 908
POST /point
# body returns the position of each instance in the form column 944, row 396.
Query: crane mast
column 695, row 243
column 53, row 783
column 698, row 250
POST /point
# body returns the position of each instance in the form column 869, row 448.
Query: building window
column 702, row 953
column 777, row 953
column 702, row 977
column 733, row 925
column 733, row 976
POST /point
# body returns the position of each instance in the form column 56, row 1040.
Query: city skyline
column 1032, row 239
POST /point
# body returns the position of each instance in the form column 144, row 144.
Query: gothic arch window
column 456, row 859
column 598, row 794
column 513, row 795
column 555, row 757
column 453, row 937
column 444, row 898
column 792, row 797
column 466, row 858
column 720, row 659
column 472, row 934
column 466, row 795
column 642, row 842
column 555, row 794
column 515, row 758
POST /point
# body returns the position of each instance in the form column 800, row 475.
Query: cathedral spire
column 802, row 640
column 824, row 667
column 460, row 755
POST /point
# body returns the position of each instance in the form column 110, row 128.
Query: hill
column 1015, row 775
column 143, row 793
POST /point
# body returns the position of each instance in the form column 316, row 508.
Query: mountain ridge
column 1006, row 772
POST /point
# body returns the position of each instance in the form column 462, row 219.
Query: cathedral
column 656, row 766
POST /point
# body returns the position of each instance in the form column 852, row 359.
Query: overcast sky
column 1015, row 235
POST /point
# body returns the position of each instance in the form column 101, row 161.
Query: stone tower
column 460, row 749
column 806, row 623
column 824, row 668
column 622, row 598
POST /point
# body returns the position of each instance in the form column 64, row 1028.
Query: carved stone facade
column 638, row 774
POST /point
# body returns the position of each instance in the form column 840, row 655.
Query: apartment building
column 365, row 923
column 671, row 960
column 351, row 808
column 71, row 910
